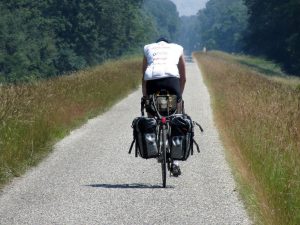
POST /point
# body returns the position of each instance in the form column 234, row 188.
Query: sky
column 189, row 7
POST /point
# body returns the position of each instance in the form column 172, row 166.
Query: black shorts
column 171, row 84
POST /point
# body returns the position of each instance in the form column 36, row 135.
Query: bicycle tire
column 164, row 157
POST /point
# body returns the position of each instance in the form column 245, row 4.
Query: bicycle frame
column 163, row 131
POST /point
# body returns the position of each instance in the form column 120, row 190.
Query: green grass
column 258, row 64
column 265, row 67
column 259, row 119
column 34, row 116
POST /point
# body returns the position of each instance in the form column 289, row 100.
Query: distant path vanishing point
column 91, row 179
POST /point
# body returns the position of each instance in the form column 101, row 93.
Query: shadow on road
column 127, row 186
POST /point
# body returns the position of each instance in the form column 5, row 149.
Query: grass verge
column 264, row 67
column 34, row 116
column 259, row 119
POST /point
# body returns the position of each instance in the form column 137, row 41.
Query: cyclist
column 164, row 68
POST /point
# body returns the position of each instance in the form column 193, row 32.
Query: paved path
column 90, row 178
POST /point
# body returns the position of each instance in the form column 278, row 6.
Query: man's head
column 162, row 39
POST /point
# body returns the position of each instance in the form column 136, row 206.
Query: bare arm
column 143, row 81
column 181, row 68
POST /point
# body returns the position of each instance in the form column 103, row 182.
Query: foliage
column 27, row 45
column 187, row 36
column 274, row 31
column 165, row 16
column 222, row 24
column 270, row 29
column 46, row 38
column 219, row 26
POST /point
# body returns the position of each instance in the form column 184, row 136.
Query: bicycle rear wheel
column 164, row 157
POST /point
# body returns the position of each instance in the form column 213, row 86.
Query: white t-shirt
column 162, row 59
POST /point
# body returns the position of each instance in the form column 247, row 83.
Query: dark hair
column 162, row 39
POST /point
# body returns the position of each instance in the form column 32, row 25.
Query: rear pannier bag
column 144, row 132
column 181, row 139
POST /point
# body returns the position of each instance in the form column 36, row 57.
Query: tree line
column 41, row 39
column 221, row 25
column 274, row 31
column 268, row 28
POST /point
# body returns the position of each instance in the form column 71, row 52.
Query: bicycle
column 163, row 108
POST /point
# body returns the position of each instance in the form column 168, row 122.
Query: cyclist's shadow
column 127, row 186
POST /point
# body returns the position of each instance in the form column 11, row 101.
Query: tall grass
column 260, row 120
column 259, row 64
column 265, row 67
column 33, row 116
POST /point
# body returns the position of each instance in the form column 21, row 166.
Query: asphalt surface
column 91, row 179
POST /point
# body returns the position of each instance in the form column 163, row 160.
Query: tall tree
column 221, row 25
column 27, row 46
column 187, row 36
column 274, row 31
column 165, row 16
column 45, row 38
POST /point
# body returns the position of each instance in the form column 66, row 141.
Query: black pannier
column 181, row 139
column 145, row 138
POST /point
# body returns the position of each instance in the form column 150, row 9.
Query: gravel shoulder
column 91, row 179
